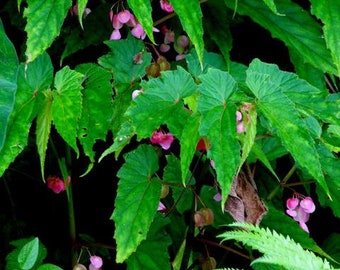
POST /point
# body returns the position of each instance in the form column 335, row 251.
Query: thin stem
column 70, row 206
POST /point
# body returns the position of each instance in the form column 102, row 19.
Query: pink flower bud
column 56, row 184
column 96, row 261
column 238, row 116
column 161, row 207
column 307, row 205
column 218, row 197
column 136, row 93
column 124, row 16
column 240, row 128
column 292, row 203
column 182, row 41
column 115, row 35
column 164, row 48
column 166, row 6
column 111, row 15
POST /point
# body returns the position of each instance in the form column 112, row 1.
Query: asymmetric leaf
column 218, row 123
column 137, row 200
column 44, row 21
column 8, row 81
column 268, row 87
column 32, row 80
column 162, row 97
column 67, row 104
column 96, row 118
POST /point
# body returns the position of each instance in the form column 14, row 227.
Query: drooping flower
column 166, row 6
column 300, row 210
column 56, row 184
column 124, row 16
column 163, row 139
column 96, row 261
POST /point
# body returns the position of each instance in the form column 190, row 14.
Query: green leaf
column 28, row 254
column 308, row 43
column 190, row 16
column 121, row 60
column 218, row 123
column 44, row 21
column 48, row 266
column 162, row 98
column 137, row 200
column 153, row 251
column 267, row 83
column 67, row 104
column 280, row 249
column 8, row 81
column 32, row 80
column 81, row 4
column 142, row 10
column 188, row 141
column 329, row 15
column 96, row 118
column 43, row 130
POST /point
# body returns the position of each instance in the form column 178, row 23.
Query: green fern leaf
column 277, row 249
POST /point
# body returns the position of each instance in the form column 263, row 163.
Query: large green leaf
column 121, row 60
column 44, row 21
column 268, row 84
column 8, row 81
column 142, row 10
column 218, row 123
column 329, row 15
column 137, row 200
column 153, row 251
column 96, row 118
column 306, row 40
column 67, row 104
column 190, row 15
column 162, row 98
column 32, row 79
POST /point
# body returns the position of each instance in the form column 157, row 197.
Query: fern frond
column 277, row 249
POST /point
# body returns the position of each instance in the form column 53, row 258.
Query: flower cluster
column 125, row 17
column 299, row 209
column 163, row 139
column 56, row 184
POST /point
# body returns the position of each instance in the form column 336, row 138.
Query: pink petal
column 164, row 48
column 161, row 207
column 291, row 213
column 124, row 16
column 115, row 35
column 137, row 31
column 303, row 225
column 136, row 93
column 238, row 116
column 218, row 197
column 96, row 261
column 166, row 6
column 301, row 216
column 307, row 205
column 116, row 24
column 166, row 141
column 292, row 203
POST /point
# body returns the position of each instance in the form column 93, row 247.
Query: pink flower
column 166, row 6
column 124, row 16
column 56, row 184
column 161, row 207
column 115, row 35
column 239, row 123
column 138, row 31
column 300, row 210
column 307, row 205
column 96, row 261
column 218, row 197
column 163, row 139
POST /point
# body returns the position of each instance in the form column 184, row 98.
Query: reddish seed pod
column 153, row 70
column 209, row 263
column 163, row 63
